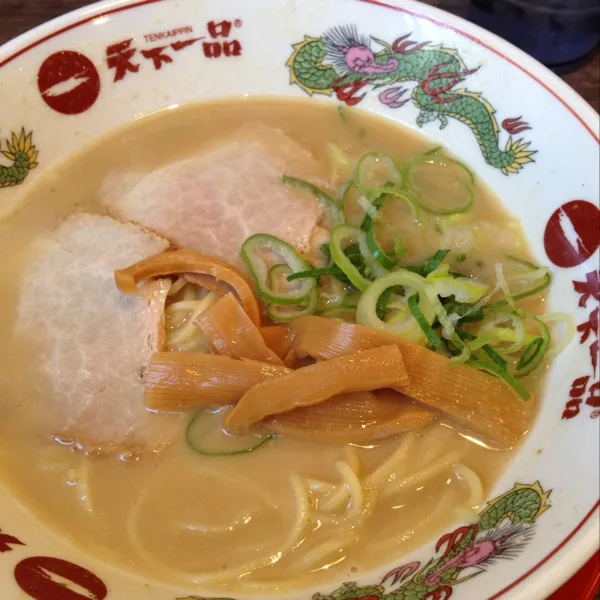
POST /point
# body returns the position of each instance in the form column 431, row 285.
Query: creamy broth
column 212, row 522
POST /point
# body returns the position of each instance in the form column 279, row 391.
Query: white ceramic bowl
column 528, row 135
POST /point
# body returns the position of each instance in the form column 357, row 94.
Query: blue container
column 559, row 33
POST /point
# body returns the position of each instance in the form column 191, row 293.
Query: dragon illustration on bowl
column 342, row 62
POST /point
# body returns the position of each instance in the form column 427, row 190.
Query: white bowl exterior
column 560, row 453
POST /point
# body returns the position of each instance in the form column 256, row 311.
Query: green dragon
column 343, row 63
column 23, row 155
column 503, row 530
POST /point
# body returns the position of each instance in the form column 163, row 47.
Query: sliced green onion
column 373, row 170
column 495, row 370
column 545, row 282
column 498, row 335
column 353, row 250
column 533, row 275
column 494, row 356
column 454, row 194
column 525, row 294
column 371, row 214
column 334, row 291
column 324, row 249
column 286, row 313
column 278, row 279
column 400, row 195
column 434, row 262
column 383, row 301
column 463, row 289
column 343, row 236
column 205, row 435
column 357, row 206
column 448, row 324
column 413, row 305
column 530, row 353
column 404, row 326
column 451, row 348
column 503, row 284
column 341, row 311
column 332, row 213
column 399, row 247
column 463, row 357
column 342, row 192
column 521, row 261
column 316, row 273
column 461, row 353
column 351, row 204
column 263, row 242
column 433, row 150
column 488, row 331
column 409, row 199
column 534, row 354
column 368, row 226
column 466, row 313
column 431, row 265
column 367, row 207
column 441, row 271
column 373, row 217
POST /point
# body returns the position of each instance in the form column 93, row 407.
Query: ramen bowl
column 525, row 134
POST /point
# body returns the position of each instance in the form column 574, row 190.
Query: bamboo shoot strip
column 474, row 399
column 178, row 381
column 361, row 372
column 355, row 418
column 187, row 261
column 232, row 333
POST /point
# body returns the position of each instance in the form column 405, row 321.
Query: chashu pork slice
column 93, row 342
column 214, row 201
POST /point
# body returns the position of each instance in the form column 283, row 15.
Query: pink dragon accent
column 469, row 557
column 402, row 573
column 391, row 97
column 362, row 60
column 503, row 542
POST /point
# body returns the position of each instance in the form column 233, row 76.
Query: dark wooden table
column 20, row 15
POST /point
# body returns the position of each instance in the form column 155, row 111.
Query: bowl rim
column 581, row 543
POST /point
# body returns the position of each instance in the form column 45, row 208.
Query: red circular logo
column 572, row 233
column 34, row 576
column 69, row 82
